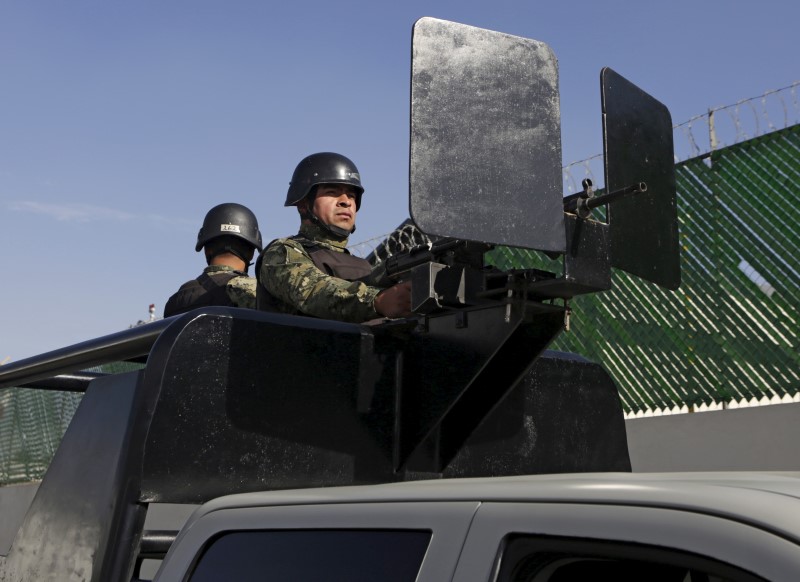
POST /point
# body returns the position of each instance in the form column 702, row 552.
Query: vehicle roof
column 769, row 500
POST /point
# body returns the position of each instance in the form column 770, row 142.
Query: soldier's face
column 336, row 204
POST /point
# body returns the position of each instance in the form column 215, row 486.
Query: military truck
column 449, row 445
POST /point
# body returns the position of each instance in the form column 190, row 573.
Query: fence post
column 712, row 133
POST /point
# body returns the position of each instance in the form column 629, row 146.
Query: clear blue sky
column 122, row 123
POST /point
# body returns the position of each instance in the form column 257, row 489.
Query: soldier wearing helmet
column 229, row 237
column 313, row 273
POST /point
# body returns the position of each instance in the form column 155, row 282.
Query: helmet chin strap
column 336, row 231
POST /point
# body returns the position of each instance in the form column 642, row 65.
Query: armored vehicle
column 230, row 401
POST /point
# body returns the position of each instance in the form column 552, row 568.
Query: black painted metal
column 123, row 345
column 459, row 369
column 587, row 268
column 258, row 401
column 564, row 416
column 586, row 265
column 485, row 137
column 251, row 401
column 325, row 403
column 84, row 519
column 236, row 400
column 637, row 135
column 156, row 543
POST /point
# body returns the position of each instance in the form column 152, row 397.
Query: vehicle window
column 314, row 555
column 526, row 558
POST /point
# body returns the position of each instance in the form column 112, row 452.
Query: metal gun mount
column 486, row 164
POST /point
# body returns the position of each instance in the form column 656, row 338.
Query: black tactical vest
column 201, row 292
column 337, row 264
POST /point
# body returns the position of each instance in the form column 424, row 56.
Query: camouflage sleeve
column 290, row 275
column 242, row 292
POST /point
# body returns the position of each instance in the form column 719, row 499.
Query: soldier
column 230, row 236
column 313, row 273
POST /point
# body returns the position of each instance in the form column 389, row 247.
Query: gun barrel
column 604, row 199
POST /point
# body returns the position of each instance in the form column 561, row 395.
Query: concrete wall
column 763, row 438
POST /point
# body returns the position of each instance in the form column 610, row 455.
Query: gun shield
column 485, row 137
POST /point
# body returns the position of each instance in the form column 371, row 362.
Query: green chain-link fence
column 730, row 333
column 32, row 422
column 31, row 425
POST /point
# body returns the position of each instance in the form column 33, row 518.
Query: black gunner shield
column 637, row 133
column 485, row 137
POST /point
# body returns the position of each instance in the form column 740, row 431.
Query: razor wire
column 404, row 238
column 718, row 128
column 746, row 119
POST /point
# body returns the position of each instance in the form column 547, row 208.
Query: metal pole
column 123, row 345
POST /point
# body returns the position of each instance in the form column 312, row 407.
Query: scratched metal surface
column 485, row 137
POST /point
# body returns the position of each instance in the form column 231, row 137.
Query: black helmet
column 323, row 168
column 229, row 219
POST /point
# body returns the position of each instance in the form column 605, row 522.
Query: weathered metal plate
column 637, row 136
column 485, row 137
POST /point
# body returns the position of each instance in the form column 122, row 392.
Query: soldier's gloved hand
column 394, row 301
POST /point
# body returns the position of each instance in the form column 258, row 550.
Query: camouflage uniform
column 289, row 274
column 239, row 291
